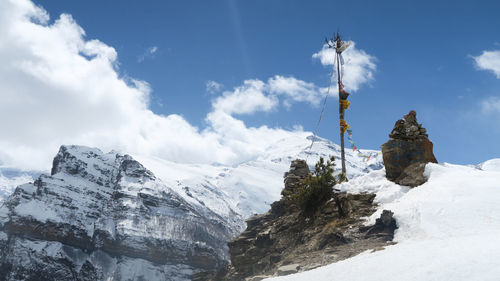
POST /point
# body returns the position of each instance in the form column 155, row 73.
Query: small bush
column 316, row 188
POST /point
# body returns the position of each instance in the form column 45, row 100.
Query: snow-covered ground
column 449, row 228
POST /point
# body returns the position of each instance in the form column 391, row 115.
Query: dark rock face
column 407, row 152
column 283, row 240
column 105, row 217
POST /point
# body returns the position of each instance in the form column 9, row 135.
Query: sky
column 217, row 81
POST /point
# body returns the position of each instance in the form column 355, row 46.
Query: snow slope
column 449, row 228
column 237, row 192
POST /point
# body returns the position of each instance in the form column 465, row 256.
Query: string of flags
column 344, row 103
column 366, row 157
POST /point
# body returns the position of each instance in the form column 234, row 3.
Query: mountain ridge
column 105, row 205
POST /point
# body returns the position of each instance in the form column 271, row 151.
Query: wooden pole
column 341, row 113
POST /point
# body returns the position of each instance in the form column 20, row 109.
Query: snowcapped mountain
column 107, row 217
column 449, row 228
column 250, row 187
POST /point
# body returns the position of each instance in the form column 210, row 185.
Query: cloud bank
column 58, row 87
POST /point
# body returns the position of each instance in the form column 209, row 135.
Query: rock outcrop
column 284, row 240
column 298, row 171
column 105, row 217
column 407, row 152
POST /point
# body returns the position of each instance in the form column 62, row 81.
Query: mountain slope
column 240, row 191
column 448, row 228
column 105, row 217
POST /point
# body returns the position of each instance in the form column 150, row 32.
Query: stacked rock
column 298, row 171
column 408, row 128
column 407, row 152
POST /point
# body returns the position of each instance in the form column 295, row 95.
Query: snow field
column 449, row 229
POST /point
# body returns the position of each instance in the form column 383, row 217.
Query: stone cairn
column 298, row 171
column 407, row 152
column 408, row 128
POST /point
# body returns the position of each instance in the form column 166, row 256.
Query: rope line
column 316, row 130
column 366, row 157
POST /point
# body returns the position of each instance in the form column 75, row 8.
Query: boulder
column 407, row 152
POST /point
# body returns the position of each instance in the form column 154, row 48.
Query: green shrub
column 316, row 188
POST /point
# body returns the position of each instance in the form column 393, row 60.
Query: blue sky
column 423, row 50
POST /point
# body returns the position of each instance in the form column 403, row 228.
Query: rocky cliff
column 285, row 240
column 106, row 217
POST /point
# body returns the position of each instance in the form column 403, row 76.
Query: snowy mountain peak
column 90, row 163
column 107, row 207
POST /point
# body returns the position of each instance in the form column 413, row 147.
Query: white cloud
column 256, row 95
column 295, row 90
column 489, row 60
column 57, row 87
column 245, row 99
column 213, row 87
column 358, row 68
column 149, row 53
column 490, row 105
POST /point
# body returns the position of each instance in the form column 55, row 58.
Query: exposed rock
column 284, row 240
column 288, row 269
column 384, row 226
column 408, row 146
column 298, row 171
